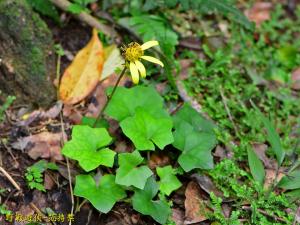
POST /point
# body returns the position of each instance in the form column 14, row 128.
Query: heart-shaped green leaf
column 192, row 117
column 143, row 202
column 125, row 101
column 84, row 147
column 102, row 197
column 129, row 173
column 195, row 137
column 144, row 130
column 168, row 180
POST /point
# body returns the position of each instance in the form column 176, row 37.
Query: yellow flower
column 133, row 53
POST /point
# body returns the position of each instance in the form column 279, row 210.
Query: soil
column 72, row 37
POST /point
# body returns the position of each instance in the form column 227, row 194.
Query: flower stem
column 110, row 96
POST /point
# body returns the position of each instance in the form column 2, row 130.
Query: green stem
column 58, row 74
column 110, row 96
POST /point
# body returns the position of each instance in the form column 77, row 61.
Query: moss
column 28, row 43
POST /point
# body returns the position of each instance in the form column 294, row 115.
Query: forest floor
column 225, row 73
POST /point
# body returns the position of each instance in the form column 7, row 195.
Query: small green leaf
column 153, row 27
column 273, row 138
column 195, row 137
column 102, row 197
column 256, row 166
column 84, row 147
column 287, row 55
column 76, row 8
column 143, row 202
column 290, row 181
column 144, row 130
column 168, row 180
column 52, row 166
column 46, row 8
column 129, row 173
column 125, row 101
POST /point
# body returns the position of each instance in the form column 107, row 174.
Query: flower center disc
column 133, row 52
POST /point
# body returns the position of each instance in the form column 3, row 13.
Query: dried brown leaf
column 41, row 145
column 83, row 75
column 260, row 12
column 195, row 205
column 178, row 216
column 296, row 79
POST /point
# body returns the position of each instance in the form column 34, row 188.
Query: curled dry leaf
column 178, row 216
column 207, row 185
column 270, row 177
column 260, row 12
column 296, row 79
column 223, row 153
column 43, row 145
column 82, row 76
column 158, row 160
column 260, row 150
column 72, row 113
column 195, row 205
column 37, row 115
column 48, row 182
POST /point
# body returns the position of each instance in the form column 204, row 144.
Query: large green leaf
column 168, row 181
column 290, row 181
column 195, row 137
column 224, row 7
column 152, row 27
column 143, row 202
column 196, row 148
column 102, row 197
column 129, row 173
column 192, row 117
column 84, row 147
column 256, row 166
column 125, row 101
column 144, row 130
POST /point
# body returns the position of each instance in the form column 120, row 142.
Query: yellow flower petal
column 149, row 44
column 141, row 68
column 134, row 73
column 153, row 60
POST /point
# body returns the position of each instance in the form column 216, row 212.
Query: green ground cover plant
column 245, row 91
column 147, row 124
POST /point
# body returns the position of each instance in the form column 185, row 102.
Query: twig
column 68, row 166
column 12, row 181
column 296, row 216
column 224, row 100
column 80, row 205
column 37, row 210
column 87, row 18
column 89, row 217
column 276, row 218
